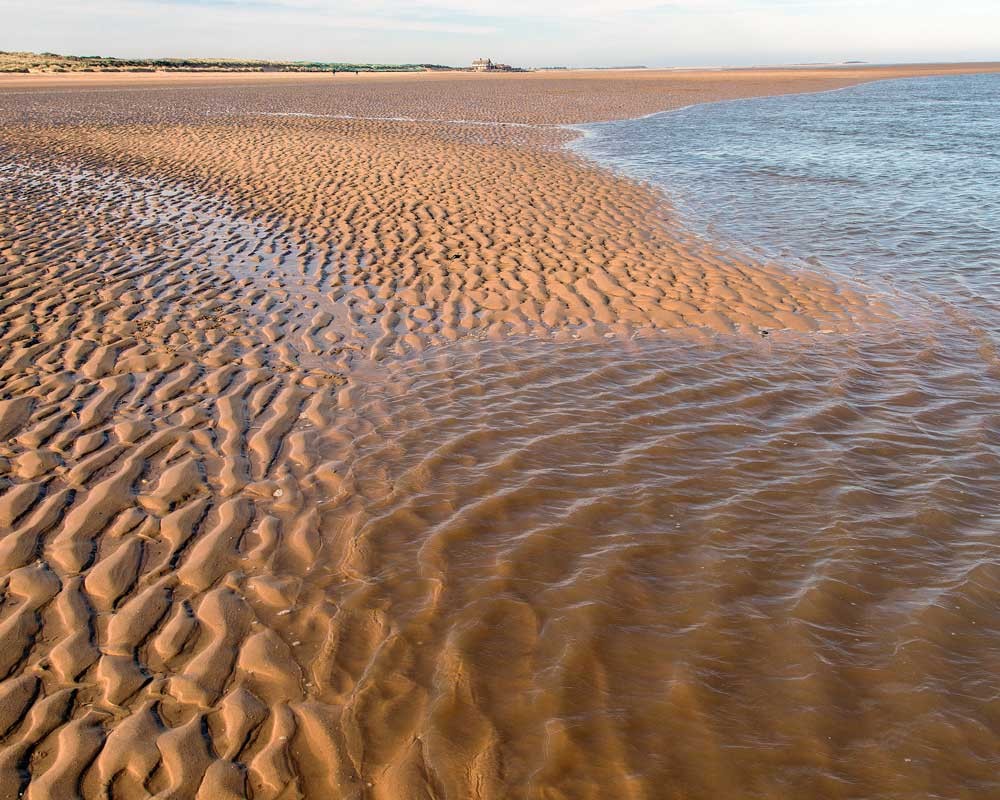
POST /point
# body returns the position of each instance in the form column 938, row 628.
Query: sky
column 520, row 32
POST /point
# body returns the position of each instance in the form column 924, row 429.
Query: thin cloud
column 580, row 32
column 231, row 12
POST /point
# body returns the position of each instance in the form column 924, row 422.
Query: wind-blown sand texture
column 195, row 291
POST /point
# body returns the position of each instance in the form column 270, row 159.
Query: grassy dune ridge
column 53, row 62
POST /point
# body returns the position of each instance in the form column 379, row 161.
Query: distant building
column 485, row 65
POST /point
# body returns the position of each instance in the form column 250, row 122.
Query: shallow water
column 895, row 183
column 745, row 568
column 673, row 569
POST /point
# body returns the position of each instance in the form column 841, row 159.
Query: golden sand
column 540, row 97
column 192, row 291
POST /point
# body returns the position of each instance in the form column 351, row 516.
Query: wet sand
column 538, row 97
column 266, row 531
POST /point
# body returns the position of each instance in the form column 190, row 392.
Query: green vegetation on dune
column 53, row 62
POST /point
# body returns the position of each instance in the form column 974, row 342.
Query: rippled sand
column 277, row 521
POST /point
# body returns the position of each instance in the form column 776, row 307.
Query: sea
column 895, row 183
column 743, row 567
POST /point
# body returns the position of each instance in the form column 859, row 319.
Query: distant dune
column 53, row 62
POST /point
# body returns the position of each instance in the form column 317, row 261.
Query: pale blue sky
column 524, row 32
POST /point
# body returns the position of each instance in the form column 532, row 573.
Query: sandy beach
column 215, row 290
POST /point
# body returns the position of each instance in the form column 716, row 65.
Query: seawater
column 894, row 183
column 752, row 567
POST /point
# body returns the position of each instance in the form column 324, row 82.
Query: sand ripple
column 417, row 235
column 276, row 521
